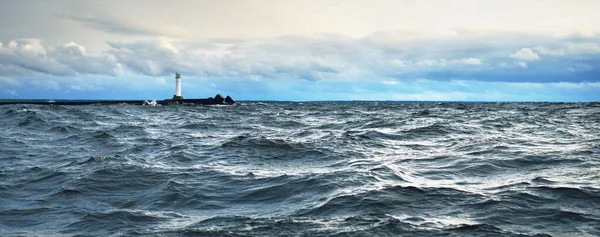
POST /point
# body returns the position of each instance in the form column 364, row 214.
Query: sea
column 301, row 169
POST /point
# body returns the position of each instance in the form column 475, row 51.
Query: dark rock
column 219, row 99
column 229, row 100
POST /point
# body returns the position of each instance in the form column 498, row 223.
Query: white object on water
column 153, row 102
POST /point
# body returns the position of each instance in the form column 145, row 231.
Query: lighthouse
column 177, row 95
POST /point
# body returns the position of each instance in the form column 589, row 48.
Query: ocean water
column 301, row 169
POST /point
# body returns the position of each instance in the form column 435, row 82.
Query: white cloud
column 46, row 84
column 573, row 85
column 547, row 51
column 390, row 82
column 570, row 48
column 166, row 44
column 462, row 83
column 9, row 81
column 521, row 64
column 79, row 86
column 320, row 57
column 583, row 48
column 150, row 57
column 399, row 63
column 470, row 61
column 12, row 92
column 30, row 56
column 160, row 80
column 80, row 61
column 525, row 54
column 74, row 49
column 433, row 63
column 580, row 67
column 13, row 44
column 29, row 45
column 576, row 85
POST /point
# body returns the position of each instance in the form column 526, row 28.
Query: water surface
column 308, row 169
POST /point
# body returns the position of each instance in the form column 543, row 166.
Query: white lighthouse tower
column 177, row 95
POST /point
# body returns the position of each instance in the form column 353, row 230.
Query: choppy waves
column 311, row 169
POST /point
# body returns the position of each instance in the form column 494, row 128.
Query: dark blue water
column 301, row 169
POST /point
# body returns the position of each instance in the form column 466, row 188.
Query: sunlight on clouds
column 166, row 44
column 79, row 49
column 28, row 45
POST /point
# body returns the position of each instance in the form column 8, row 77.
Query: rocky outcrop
column 218, row 99
column 229, row 100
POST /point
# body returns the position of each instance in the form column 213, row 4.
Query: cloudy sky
column 465, row 50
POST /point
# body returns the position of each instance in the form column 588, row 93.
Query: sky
column 302, row 50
